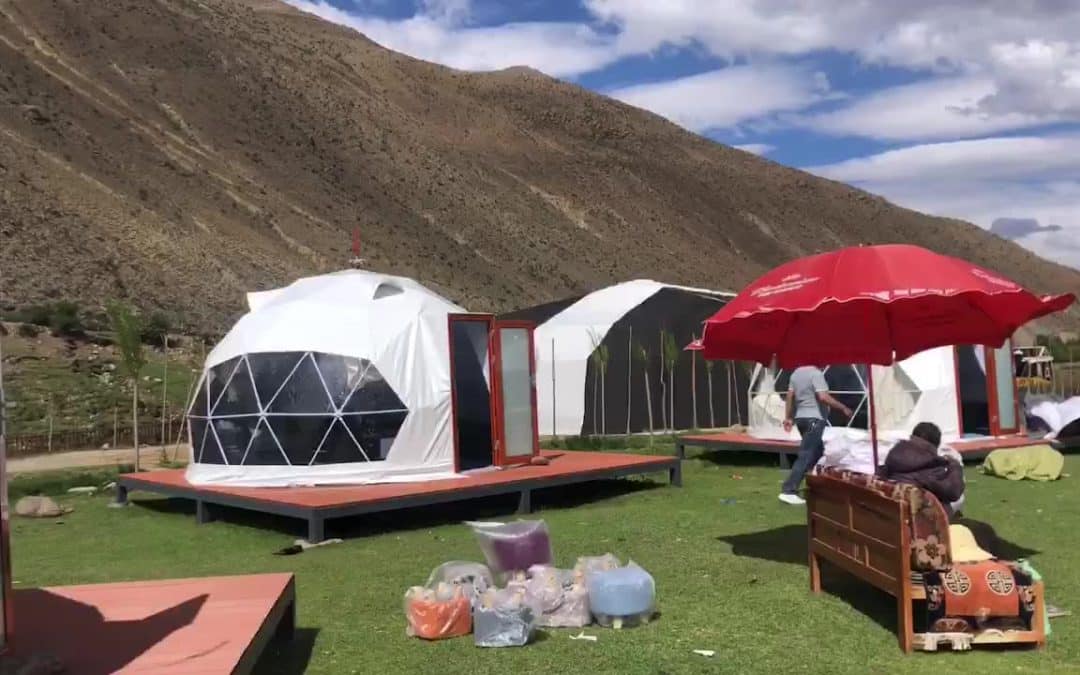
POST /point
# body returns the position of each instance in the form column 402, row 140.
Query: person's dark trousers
column 811, row 449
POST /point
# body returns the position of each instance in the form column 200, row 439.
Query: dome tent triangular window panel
column 198, row 427
column 372, row 394
column 200, row 402
column 270, row 370
column 375, row 432
column 303, row 393
column 338, row 447
column 218, row 377
column 234, row 435
column 340, row 374
column 238, row 397
column 211, row 453
column 299, row 435
column 264, row 449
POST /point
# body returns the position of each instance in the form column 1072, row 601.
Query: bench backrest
column 866, row 533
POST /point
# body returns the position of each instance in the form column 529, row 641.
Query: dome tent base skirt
column 330, row 474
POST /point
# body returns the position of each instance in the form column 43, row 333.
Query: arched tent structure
column 617, row 321
column 344, row 378
column 953, row 387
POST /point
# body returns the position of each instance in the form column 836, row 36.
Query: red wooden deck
column 974, row 448
column 213, row 625
column 318, row 503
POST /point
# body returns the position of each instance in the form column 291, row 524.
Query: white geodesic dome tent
column 340, row 378
column 922, row 388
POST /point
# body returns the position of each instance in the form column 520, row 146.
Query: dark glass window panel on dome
column 211, row 452
column 269, row 370
column 375, row 432
column 239, row 395
column 201, row 404
column 263, row 449
column 233, row 436
column 197, row 427
column 340, row 374
column 338, row 447
column 299, row 436
column 374, row 393
column 218, row 376
column 303, row 392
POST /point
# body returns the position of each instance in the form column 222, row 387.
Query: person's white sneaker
column 794, row 500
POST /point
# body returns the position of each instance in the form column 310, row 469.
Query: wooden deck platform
column 215, row 625
column 970, row 449
column 317, row 504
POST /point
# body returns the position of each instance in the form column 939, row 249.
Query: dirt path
column 150, row 457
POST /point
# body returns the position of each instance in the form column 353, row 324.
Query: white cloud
column 932, row 109
column 718, row 98
column 981, row 180
column 560, row 49
column 756, row 148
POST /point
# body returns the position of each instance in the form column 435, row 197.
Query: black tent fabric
column 617, row 403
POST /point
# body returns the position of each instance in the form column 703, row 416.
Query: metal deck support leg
column 525, row 501
column 675, row 474
column 680, row 451
column 785, row 463
column 121, row 495
column 203, row 512
column 315, row 529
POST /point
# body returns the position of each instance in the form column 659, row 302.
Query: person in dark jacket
column 917, row 461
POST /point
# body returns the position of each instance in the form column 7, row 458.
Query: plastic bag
column 517, row 546
column 560, row 594
column 588, row 564
column 505, row 618
column 436, row 614
column 625, row 596
column 473, row 578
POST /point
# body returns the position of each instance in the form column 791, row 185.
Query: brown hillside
column 180, row 153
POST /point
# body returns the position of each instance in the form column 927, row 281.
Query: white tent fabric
column 1057, row 415
column 919, row 389
column 574, row 333
column 395, row 324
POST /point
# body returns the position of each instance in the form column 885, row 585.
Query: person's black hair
column 929, row 432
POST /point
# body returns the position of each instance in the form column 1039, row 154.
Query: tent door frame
column 992, row 394
column 488, row 320
column 495, row 368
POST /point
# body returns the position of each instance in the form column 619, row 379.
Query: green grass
column 731, row 577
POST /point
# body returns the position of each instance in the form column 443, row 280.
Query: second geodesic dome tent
column 966, row 391
column 352, row 377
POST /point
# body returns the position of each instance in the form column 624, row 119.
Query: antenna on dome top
column 356, row 262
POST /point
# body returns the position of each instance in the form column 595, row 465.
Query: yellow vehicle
column 1034, row 368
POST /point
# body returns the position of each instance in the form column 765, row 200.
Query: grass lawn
column 731, row 576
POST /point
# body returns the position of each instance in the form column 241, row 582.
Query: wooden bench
column 869, row 535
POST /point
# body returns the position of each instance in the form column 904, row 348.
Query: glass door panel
column 517, row 393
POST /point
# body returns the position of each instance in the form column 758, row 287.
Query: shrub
column 64, row 319
column 155, row 328
column 28, row 330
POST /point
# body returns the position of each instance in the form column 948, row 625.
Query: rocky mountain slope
column 181, row 152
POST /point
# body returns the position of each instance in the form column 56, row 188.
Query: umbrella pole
column 873, row 414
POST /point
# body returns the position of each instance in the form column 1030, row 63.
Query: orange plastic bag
column 436, row 615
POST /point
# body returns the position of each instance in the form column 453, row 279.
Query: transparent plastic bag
column 589, row 564
column 620, row 597
column 505, row 618
column 560, row 594
column 473, row 578
column 436, row 614
column 511, row 547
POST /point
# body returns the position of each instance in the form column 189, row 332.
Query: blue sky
column 964, row 108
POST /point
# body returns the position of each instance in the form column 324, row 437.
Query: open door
column 513, row 368
column 1001, row 390
column 471, row 395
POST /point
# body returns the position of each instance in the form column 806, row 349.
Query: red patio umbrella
column 873, row 305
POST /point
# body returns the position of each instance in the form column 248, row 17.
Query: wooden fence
column 21, row 445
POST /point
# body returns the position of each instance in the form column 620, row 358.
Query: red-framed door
column 1001, row 392
column 513, row 379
